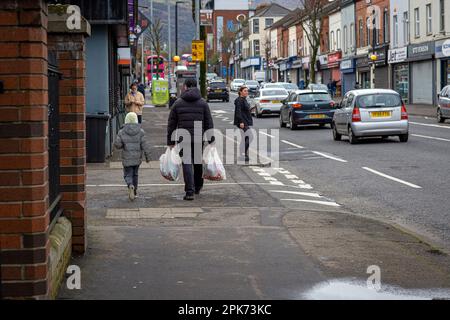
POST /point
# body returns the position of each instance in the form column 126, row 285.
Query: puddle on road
column 358, row 290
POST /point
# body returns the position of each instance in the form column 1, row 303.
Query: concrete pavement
column 253, row 236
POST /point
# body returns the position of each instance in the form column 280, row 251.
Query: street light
column 176, row 25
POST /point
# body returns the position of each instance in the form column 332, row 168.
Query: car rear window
column 378, row 100
column 252, row 83
column 274, row 92
column 314, row 97
column 219, row 85
column 290, row 86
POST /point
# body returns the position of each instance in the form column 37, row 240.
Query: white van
column 259, row 76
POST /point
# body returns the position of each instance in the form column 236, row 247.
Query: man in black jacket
column 187, row 111
column 243, row 120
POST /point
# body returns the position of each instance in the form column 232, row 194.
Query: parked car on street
column 253, row 87
column 236, row 84
column 443, row 109
column 371, row 113
column 269, row 101
column 307, row 107
column 211, row 76
column 217, row 90
column 290, row 87
column 270, row 85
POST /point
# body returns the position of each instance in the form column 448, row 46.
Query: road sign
column 206, row 17
column 198, row 51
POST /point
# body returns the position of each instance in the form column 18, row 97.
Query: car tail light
column 209, row 89
column 265, row 101
column 356, row 115
column 332, row 104
column 297, row 105
column 404, row 112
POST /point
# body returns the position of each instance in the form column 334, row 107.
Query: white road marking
column 429, row 125
column 305, row 186
column 277, row 183
column 298, row 181
column 264, row 174
column 432, row 138
column 325, row 203
column 270, row 179
column 292, row 144
column 218, row 111
column 306, row 194
column 392, row 178
column 329, row 157
column 291, row 176
column 266, row 134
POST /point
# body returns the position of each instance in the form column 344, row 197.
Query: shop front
column 297, row 72
column 335, row 72
column 348, row 75
column 381, row 68
column 306, row 62
column 422, row 73
column 363, row 72
column 400, row 71
column 443, row 61
column 324, row 74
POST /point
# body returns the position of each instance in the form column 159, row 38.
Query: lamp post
column 176, row 26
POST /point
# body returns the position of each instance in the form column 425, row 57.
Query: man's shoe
column 188, row 197
column 197, row 191
column 131, row 194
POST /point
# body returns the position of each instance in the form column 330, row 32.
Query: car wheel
column 351, row 136
column 440, row 118
column 404, row 137
column 292, row 126
column 336, row 135
column 321, row 125
column 282, row 123
column 258, row 115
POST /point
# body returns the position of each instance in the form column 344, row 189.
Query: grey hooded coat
column 131, row 139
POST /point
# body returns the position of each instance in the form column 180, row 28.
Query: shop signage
column 297, row 64
column 283, row 67
column 333, row 59
column 323, row 60
column 347, row 64
column 421, row 49
column 398, row 55
column 206, row 17
column 381, row 57
column 362, row 62
column 305, row 62
column 250, row 62
column 443, row 48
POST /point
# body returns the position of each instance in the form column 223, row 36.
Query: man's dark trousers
column 131, row 176
column 193, row 169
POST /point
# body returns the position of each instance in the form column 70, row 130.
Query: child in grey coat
column 131, row 139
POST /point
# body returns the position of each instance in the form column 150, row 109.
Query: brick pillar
column 24, row 214
column 70, row 47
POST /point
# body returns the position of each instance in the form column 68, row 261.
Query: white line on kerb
column 329, row 157
column 429, row 125
column 266, row 134
column 306, row 194
column 393, row 178
column 325, row 203
column 292, row 144
column 432, row 138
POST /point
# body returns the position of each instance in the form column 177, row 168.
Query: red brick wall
column 324, row 35
column 227, row 15
column 361, row 13
column 24, row 215
column 70, row 50
column 285, row 36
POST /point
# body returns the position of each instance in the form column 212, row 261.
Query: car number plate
column 218, row 91
column 317, row 116
column 276, row 101
column 381, row 114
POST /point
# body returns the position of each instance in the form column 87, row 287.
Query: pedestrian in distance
column 131, row 140
column 141, row 89
column 190, row 109
column 134, row 101
column 243, row 120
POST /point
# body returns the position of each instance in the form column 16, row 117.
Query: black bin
column 96, row 125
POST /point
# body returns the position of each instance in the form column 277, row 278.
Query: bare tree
column 155, row 35
column 312, row 24
column 267, row 54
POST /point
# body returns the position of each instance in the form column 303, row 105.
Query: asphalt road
column 404, row 183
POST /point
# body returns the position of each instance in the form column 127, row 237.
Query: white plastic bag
column 170, row 164
column 213, row 168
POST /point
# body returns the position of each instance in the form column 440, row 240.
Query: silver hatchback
column 371, row 113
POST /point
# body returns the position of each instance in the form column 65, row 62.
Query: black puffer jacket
column 242, row 112
column 187, row 110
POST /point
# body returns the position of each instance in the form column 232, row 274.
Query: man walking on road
column 243, row 120
column 186, row 111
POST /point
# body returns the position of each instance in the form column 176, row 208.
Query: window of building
column 429, row 22
column 338, row 39
column 256, row 26
column 345, row 39
column 352, row 37
column 256, row 48
column 269, row 22
column 368, row 31
column 361, row 33
column 332, row 41
column 406, row 27
column 386, row 26
column 416, row 23
column 442, row 16
column 395, row 31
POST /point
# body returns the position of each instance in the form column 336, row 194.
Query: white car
column 270, row 85
column 236, row 84
column 269, row 101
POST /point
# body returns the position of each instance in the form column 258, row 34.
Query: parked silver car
column 371, row 113
column 269, row 101
column 443, row 110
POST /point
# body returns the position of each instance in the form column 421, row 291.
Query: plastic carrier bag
column 213, row 168
column 170, row 164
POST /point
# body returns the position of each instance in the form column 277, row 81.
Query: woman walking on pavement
column 131, row 140
column 134, row 101
column 243, row 120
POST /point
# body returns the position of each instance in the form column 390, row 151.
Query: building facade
column 348, row 27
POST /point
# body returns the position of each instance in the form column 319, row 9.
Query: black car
column 218, row 91
column 253, row 87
